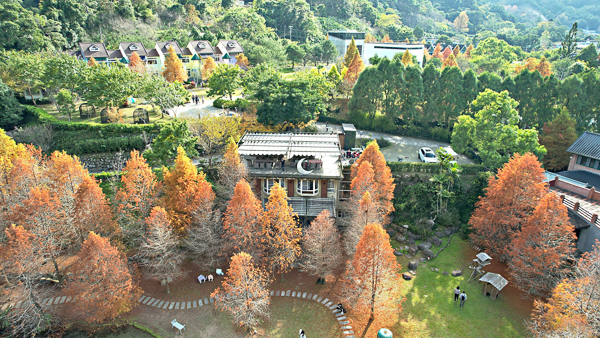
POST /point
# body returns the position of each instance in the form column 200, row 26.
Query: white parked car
column 427, row 155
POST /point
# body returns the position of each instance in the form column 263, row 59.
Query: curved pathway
column 341, row 319
column 345, row 326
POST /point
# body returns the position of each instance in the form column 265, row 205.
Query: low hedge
column 78, row 138
column 240, row 104
column 466, row 169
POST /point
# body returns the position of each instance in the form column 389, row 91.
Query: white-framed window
column 201, row 44
column 330, row 187
column 94, row 48
column 231, row 44
column 269, row 183
column 185, row 59
column 308, row 187
column 152, row 61
column 133, row 47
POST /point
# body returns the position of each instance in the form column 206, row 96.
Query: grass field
column 429, row 310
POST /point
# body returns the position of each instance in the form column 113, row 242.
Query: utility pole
column 291, row 32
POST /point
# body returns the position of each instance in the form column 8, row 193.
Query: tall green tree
column 413, row 97
column 108, row 87
column 470, row 86
column 260, row 81
column 329, row 52
column 453, row 101
column 297, row 101
column 224, row 80
column 572, row 97
column 494, row 131
column 490, row 80
column 591, row 89
column 164, row 147
column 527, row 88
column 294, row 53
column 23, row 72
column 431, row 88
column 557, row 136
column 569, row 44
column 590, row 55
column 11, row 112
column 351, row 52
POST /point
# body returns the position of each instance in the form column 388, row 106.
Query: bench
column 178, row 326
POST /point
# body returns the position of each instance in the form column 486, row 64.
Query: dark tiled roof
column 75, row 53
column 126, row 47
column 115, row 54
column 153, row 53
column 87, row 53
column 235, row 48
column 186, row 51
column 587, row 144
column 583, row 176
column 202, row 47
column 164, row 47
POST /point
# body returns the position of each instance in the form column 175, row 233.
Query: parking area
column 402, row 147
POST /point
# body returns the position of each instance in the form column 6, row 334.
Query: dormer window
column 231, row 44
column 201, row 45
column 167, row 45
column 93, row 48
column 133, row 47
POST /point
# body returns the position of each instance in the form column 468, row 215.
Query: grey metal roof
column 163, row 47
column 114, row 54
column 229, row 46
column 129, row 47
column 581, row 178
column 587, row 144
column 153, row 52
column 201, row 47
column 495, row 279
column 290, row 144
column 87, row 53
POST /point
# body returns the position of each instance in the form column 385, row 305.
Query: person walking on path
column 463, row 298
column 456, row 293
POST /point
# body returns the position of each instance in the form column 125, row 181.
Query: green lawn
column 429, row 310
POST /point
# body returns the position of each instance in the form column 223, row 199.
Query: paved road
column 201, row 109
column 402, row 146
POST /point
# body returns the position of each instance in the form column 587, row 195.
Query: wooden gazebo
column 493, row 283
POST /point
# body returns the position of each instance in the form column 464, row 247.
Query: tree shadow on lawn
column 430, row 311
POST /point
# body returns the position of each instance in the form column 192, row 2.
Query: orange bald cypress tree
column 356, row 66
column 541, row 252
column 241, row 221
column 242, row 61
column 364, row 212
column 208, row 68
column 185, row 190
column 94, row 278
column 370, row 38
column 372, row 284
column 384, row 181
column 456, row 51
column 322, row 246
column 437, row 52
column 159, row 251
column 407, row 58
column 386, row 39
column 572, row 310
column 447, row 52
column 92, row 62
column 136, row 197
column 510, row 199
column 544, row 67
column 136, row 64
column 92, row 212
column 244, row 292
column 174, row 71
column 468, row 51
column 280, row 233
column 450, row 62
column 231, row 169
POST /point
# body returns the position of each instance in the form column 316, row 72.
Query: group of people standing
column 462, row 296
column 196, row 99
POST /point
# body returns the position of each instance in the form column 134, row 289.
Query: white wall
column 342, row 45
column 391, row 49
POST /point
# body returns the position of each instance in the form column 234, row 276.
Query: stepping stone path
column 161, row 304
column 343, row 322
